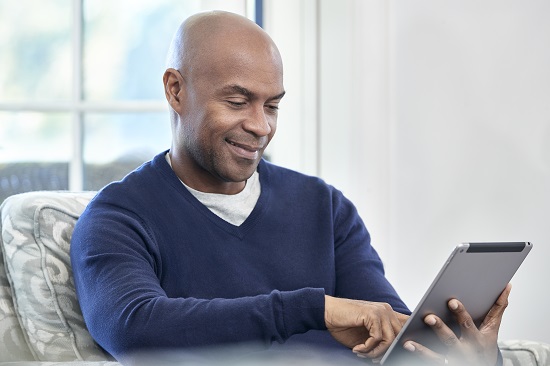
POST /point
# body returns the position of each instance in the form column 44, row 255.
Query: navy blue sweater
column 154, row 268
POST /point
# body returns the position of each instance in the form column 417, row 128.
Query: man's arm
column 118, row 274
column 359, row 270
column 366, row 314
column 126, row 309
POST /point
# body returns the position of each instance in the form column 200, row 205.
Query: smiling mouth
column 244, row 147
column 244, row 151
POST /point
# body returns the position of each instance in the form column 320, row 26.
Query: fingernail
column 430, row 320
column 409, row 347
column 453, row 304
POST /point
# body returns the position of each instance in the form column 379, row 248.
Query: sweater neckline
column 160, row 164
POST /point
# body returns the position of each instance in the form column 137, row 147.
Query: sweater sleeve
column 115, row 266
column 359, row 269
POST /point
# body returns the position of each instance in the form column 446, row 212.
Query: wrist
column 303, row 310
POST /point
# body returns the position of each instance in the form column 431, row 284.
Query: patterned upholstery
column 522, row 352
column 13, row 346
column 36, row 234
column 40, row 318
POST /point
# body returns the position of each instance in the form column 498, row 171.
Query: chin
column 241, row 173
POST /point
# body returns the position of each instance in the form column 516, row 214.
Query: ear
column 174, row 89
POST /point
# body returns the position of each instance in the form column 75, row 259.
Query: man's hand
column 475, row 346
column 367, row 327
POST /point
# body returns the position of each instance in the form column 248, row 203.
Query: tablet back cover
column 475, row 274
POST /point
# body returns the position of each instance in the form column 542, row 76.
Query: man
column 208, row 244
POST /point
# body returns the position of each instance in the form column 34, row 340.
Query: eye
column 272, row 108
column 236, row 104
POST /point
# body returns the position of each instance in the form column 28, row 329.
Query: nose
column 259, row 122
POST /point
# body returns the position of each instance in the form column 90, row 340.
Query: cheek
column 198, row 122
column 193, row 132
column 273, row 125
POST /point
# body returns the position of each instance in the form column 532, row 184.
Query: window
column 81, row 97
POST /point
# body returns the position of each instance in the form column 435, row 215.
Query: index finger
column 376, row 336
column 382, row 332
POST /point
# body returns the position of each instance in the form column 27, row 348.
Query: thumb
column 494, row 316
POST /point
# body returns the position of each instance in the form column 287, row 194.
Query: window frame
column 77, row 107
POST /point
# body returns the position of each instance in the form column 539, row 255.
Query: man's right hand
column 367, row 327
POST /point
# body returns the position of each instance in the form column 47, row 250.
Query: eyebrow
column 237, row 89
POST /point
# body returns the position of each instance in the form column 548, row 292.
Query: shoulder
column 147, row 186
column 150, row 176
column 296, row 185
column 128, row 208
column 281, row 175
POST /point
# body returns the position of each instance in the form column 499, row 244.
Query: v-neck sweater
column 155, row 268
column 233, row 208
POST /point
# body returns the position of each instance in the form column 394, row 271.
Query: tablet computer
column 475, row 274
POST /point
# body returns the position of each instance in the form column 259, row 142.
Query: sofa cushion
column 36, row 235
column 524, row 352
column 13, row 346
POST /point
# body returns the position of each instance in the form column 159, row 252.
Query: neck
column 200, row 179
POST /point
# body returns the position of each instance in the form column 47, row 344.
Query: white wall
column 470, row 142
column 293, row 26
column 329, row 118
column 434, row 118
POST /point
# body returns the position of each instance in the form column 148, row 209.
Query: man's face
column 230, row 113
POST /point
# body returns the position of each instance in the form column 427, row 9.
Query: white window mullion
column 76, row 166
column 250, row 9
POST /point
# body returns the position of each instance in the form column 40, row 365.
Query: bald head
column 224, row 82
column 218, row 37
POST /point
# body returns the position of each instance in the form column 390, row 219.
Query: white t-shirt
column 233, row 208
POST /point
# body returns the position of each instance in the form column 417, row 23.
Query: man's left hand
column 474, row 346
